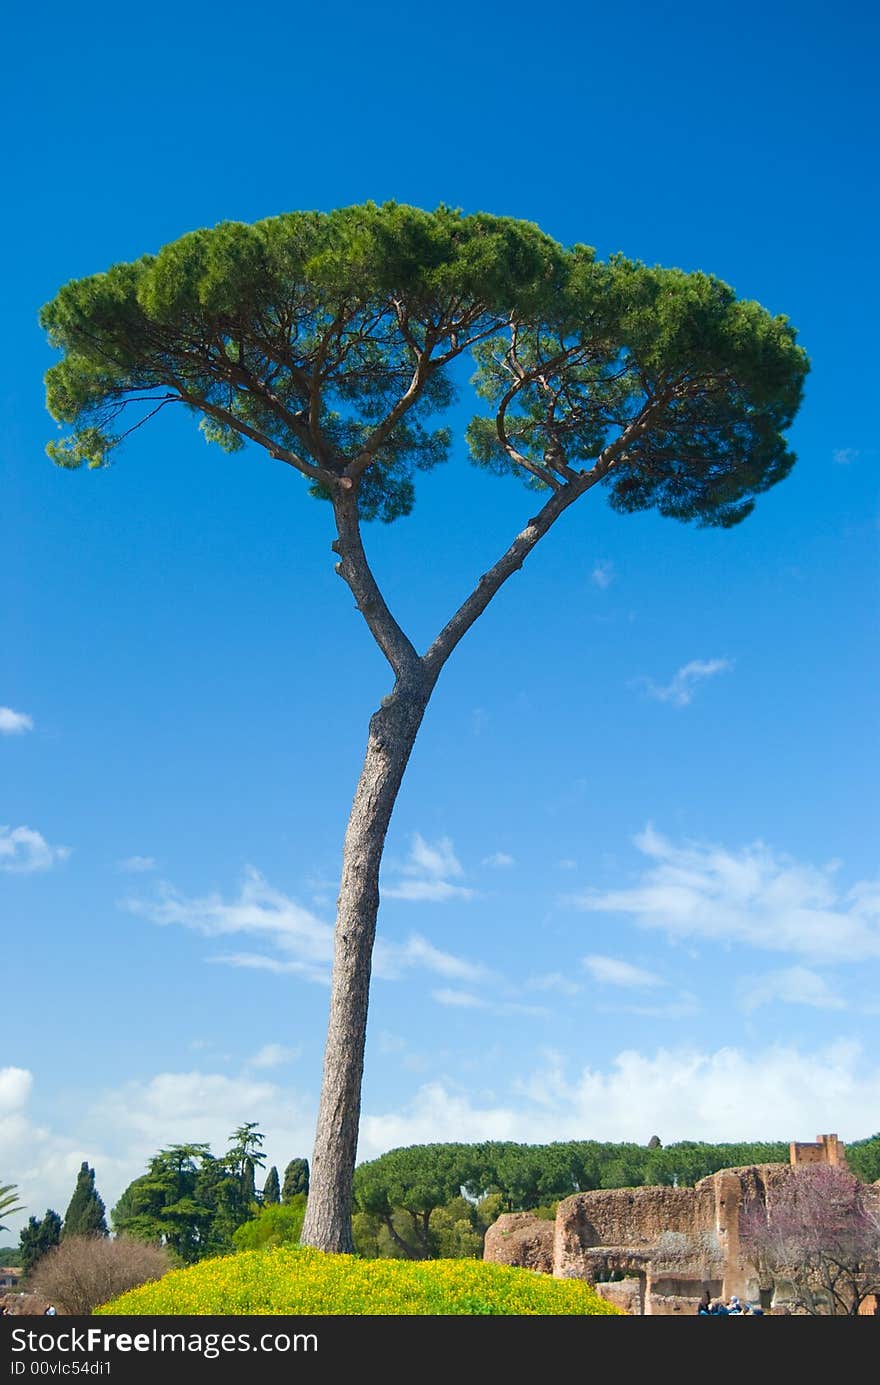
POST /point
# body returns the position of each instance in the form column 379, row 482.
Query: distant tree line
column 418, row 1202
column 437, row 1200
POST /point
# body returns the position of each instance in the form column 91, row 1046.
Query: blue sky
column 630, row 884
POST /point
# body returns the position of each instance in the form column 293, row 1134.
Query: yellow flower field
column 287, row 1280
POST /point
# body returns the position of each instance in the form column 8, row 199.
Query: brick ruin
column 654, row 1251
column 827, row 1150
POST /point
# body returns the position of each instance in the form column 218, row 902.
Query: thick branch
column 507, row 564
column 383, row 431
column 542, row 473
column 280, row 454
column 355, row 570
column 511, row 561
column 537, row 374
column 425, row 367
column 409, row 1251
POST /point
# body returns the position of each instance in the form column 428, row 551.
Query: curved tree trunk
column 393, row 730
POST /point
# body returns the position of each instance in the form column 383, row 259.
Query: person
column 705, row 1302
column 734, row 1306
column 50, row 1312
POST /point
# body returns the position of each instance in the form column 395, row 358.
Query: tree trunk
column 393, row 729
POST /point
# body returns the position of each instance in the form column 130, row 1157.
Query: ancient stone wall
column 624, row 1293
column 521, row 1239
column 661, row 1247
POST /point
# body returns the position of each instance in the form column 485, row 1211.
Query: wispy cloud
column 392, row 959
column 611, row 971
column 426, row 891
column 499, row 859
column 14, row 723
column 428, row 873
column 304, row 941
column 466, row 1000
column 754, row 895
column 603, row 573
column 674, row 1009
column 299, row 942
column 462, row 1000
column 137, row 865
column 23, row 851
column 793, row 986
column 553, row 981
column 272, row 1056
column 680, row 690
column 843, row 456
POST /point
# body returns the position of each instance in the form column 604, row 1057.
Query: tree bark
column 393, row 730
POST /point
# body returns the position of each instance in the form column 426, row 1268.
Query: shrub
column 276, row 1225
column 289, row 1281
column 87, row 1270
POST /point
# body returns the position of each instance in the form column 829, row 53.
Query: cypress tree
column 271, row 1187
column 296, row 1179
column 85, row 1214
column 38, row 1237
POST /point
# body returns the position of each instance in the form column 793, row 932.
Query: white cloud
column 272, row 1056
column 686, row 1004
column 567, row 863
column 304, row 942
column 170, row 1107
column 793, row 986
column 123, row 1127
column 435, row 1115
column 603, row 573
column 22, row 851
column 466, row 1000
column 41, row 1163
column 553, row 981
column 754, row 896
column 390, row 959
column 430, row 891
column 301, row 943
column 137, row 865
column 610, row 971
column 499, row 859
column 259, row 961
column 14, row 723
column 15, row 1090
column 428, row 872
column 680, row 691
column 844, row 455
column 679, row 1093
column 459, row 999
column 439, row 860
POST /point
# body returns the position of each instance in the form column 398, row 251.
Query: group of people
column 716, row 1306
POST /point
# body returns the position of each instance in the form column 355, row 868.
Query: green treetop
column 85, row 1213
column 296, row 1179
column 39, row 1237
